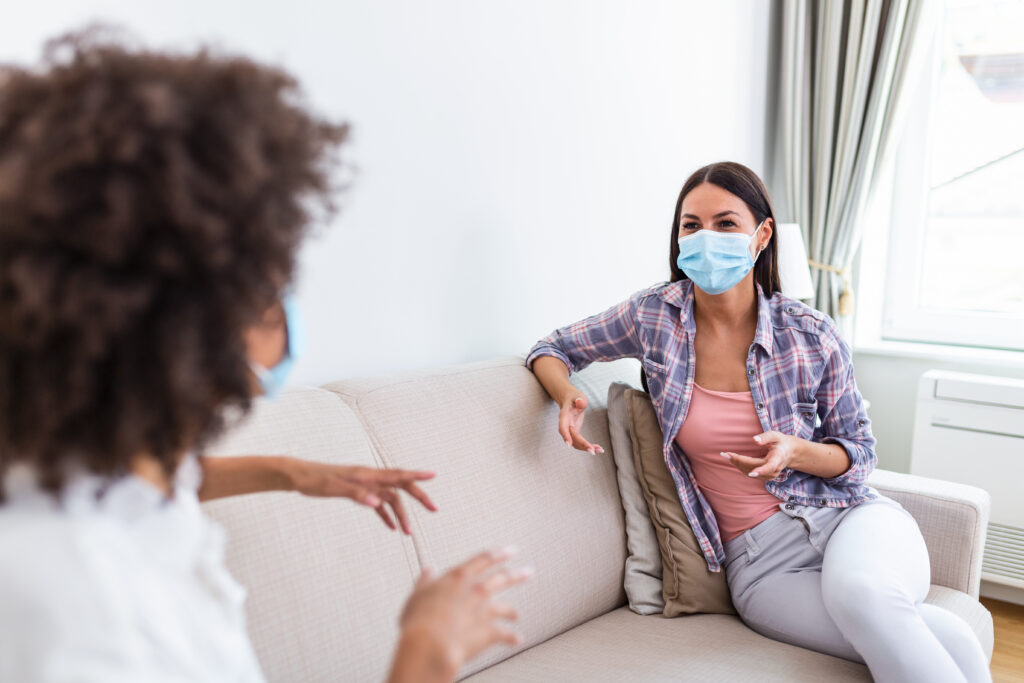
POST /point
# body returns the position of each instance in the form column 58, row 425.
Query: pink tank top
column 726, row 421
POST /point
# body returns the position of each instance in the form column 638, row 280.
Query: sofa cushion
column 623, row 646
column 643, row 556
column 326, row 578
column 687, row 584
column 506, row 477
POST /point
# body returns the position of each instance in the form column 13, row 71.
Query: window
column 956, row 258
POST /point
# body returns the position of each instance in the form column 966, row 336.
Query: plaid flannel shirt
column 801, row 380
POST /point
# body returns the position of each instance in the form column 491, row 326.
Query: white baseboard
column 998, row 591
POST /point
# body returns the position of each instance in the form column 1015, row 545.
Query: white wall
column 518, row 160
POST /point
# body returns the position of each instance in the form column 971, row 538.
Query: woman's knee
column 953, row 632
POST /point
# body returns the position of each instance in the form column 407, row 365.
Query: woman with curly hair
column 151, row 206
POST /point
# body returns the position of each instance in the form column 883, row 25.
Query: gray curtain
column 844, row 69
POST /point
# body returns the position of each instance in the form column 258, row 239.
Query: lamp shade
column 794, row 272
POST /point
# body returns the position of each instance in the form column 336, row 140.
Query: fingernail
column 757, row 439
column 725, row 455
column 752, row 474
column 372, row 500
column 569, row 444
column 526, row 572
column 507, row 551
column 600, row 450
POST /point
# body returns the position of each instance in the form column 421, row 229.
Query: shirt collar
column 680, row 294
column 765, row 332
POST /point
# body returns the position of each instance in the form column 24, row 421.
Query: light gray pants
column 851, row 582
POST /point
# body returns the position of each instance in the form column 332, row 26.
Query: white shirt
column 123, row 585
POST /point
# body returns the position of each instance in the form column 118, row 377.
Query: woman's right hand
column 449, row 620
column 553, row 375
column 570, row 422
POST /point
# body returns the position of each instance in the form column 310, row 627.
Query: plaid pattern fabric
column 801, row 380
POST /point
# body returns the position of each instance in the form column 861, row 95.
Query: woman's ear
column 766, row 233
column 266, row 342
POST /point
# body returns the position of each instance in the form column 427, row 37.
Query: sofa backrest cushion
column 506, row 477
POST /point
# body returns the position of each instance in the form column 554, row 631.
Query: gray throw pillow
column 643, row 556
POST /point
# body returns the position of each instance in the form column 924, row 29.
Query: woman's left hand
column 375, row 488
column 782, row 450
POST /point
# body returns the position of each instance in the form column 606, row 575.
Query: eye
column 727, row 224
column 691, row 226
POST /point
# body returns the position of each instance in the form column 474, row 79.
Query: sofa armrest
column 953, row 519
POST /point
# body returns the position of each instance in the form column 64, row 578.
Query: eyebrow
column 717, row 215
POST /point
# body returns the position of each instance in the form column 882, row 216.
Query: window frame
column 903, row 318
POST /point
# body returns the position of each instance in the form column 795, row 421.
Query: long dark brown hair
column 739, row 180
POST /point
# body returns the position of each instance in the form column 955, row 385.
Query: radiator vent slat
column 1004, row 552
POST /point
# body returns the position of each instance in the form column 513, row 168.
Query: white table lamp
column 794, row 272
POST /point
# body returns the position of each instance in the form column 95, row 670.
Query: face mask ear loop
column 753, row 235
column 262, row 374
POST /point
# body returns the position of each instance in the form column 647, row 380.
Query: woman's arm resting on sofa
column 607, row 336
column 553, row 374
column 235, row 476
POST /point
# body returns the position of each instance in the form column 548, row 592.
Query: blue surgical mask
column 716, row 261
column 273, row 379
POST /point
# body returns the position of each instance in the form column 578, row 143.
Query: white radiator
column 970, row 429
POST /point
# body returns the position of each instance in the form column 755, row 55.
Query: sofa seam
column 377, row 451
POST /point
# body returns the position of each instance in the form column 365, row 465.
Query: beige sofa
column 327, row 580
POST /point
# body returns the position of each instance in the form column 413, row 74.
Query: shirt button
column 824, row 502
column 790, row 309
column 789, row 506
column 861, row 422
column 750, row 371
column 760, row 407
column 792, row 499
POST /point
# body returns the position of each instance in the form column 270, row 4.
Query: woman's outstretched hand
column 570, row 422
column 375, row 488
column 450, row 619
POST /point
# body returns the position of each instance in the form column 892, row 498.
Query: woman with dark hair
column 151, row 206
column 768, row 442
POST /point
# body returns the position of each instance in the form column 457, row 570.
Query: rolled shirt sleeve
column 844, row 419
column 609, row 335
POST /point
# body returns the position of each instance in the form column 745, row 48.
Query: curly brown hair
column 151, row 206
